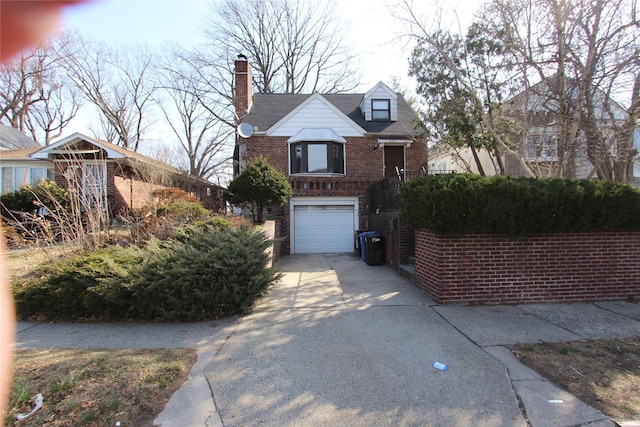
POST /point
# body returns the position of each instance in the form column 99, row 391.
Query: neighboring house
column 535, row 113
column 446, row 159
column 13, row 139
column 16, row 167
column 106, row 176
column 332, row 148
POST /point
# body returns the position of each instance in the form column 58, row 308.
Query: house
column 106, row 176
column 332, row 148
column 13, row 139
column 535, row 112
column 16, row 167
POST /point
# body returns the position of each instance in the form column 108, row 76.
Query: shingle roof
column 18, row 154
column 268, row 109
column 11, row 139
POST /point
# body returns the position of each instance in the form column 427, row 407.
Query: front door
column 393, row 160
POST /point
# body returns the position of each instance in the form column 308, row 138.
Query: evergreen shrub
column 458, row 204
column 206, row 271
column 91, row 285
column 182, row 210
column 203, row 274
column 29, row 198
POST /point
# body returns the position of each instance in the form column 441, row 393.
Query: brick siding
column 364, row 167
column 489, row 269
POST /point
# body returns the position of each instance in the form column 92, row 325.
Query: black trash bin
column 374, row 249
column 363, row 248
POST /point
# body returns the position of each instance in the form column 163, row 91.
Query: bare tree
column 195, row 118
column 461, row 79
column 574, row 58
column 293, row 46
column 36, row 95
column 118, row 83
column 60, row 104
column 570, row 59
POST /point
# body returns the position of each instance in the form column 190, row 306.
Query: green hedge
column 207, row 271
column 458, row 204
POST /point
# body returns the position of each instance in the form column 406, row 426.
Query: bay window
column 317, row 157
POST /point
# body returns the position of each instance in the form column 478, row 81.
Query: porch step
column 408, row 271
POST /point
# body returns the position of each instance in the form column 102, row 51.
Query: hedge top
column 459, row 204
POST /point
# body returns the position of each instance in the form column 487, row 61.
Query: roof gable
column 380, row 92
column 540, row 98
column 113, row 152
column 315, row 112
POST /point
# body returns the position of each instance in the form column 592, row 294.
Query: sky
column 372, row 30
column 372, row 34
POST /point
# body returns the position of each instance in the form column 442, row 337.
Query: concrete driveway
column 341, row 343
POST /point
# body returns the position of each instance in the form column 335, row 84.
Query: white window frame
column 103, row 187
column 328, row 144
column 387, row 110
column 24, row 179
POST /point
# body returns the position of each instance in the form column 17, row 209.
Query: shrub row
column 205, row 272
column 458, row 204
column 31, row 197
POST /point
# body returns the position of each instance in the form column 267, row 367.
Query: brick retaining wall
column 489, row 269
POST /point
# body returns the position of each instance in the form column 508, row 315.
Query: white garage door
column 323, row 228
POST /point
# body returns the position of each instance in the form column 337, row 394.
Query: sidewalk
column 342, row 343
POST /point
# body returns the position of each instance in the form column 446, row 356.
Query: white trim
column 54, row 148
column 81, row 160
column 303, row 105
column 374, row 93
column 319, row 201
column 320, row 134
column 405, row 142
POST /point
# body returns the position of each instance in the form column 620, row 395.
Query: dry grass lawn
column 605, row 374
column 95, row 388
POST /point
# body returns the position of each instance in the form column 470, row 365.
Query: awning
column 316, row 135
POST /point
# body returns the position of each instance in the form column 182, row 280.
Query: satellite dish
column 245, row 130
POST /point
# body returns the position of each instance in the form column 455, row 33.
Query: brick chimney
column 243, row 90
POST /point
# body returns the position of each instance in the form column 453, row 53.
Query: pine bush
column 206, row 271
column 203, row 274
column 92, row 285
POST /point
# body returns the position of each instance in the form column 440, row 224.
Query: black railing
column 385, row 195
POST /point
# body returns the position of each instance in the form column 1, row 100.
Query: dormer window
column 380, row 104
column 380, row 109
